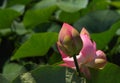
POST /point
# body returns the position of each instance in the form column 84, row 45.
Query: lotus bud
column 100, row 60
column 69, row 40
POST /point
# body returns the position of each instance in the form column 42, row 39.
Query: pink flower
column 69, row 40
column 88, row 56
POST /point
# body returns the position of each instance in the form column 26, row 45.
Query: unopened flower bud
column 69, row 40
column 100, row 60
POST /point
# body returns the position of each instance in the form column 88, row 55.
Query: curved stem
column 76, row 64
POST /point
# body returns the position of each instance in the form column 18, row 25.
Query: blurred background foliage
column 29, row 31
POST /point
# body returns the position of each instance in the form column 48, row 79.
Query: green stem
column 76, row 64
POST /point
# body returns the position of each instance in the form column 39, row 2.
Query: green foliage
column 106, row 75
column 72, row 5
column 68, row 17
column 97, row 21
column 105, row 36
column 16, row 2
column 44, row 4
column 35, row 17
column 95, row 5
column 3, row 79
column 53, row 74
column 115, row 3
column 7, row 16
column 42, row 72
column 37, row 45
column 12, row 70
column 59, row 74
column 54, row 58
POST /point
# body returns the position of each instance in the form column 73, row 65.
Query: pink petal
column 69, row 61
column 69, row 27
column 94, row 45
column 66, row 65
column 85, row 32
column 89, row 48
column 65, row 30
column 81, row 59
column 99, row 61
column 100, row 54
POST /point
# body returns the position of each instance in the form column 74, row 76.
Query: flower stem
column 76, row 64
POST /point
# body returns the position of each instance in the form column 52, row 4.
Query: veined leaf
column 37, row 45
column 7, row 16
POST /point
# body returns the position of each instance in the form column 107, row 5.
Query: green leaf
column 43, row 27
column 55, row 57
column 5, row 31
column 7, row 16
column 14, row 2
column 110, row 74
column 115, row 3
column 44, row 74
column 37, row 16
column 19, row 28
column 97, row 21
column 12, row 70
column 72, row 5
column 95, row 5
column 68, row 17
column 3, row 79
column 103, row 38
column 18, row 8
column 54, row 28
column 44, row 4
column 37, row 45
column 55, row 74
column 118, row 32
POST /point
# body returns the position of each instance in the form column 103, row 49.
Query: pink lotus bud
column 100, row 60
column 69, row 40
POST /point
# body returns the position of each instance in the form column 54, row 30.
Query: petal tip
column 66, row 25
column 84, row 32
